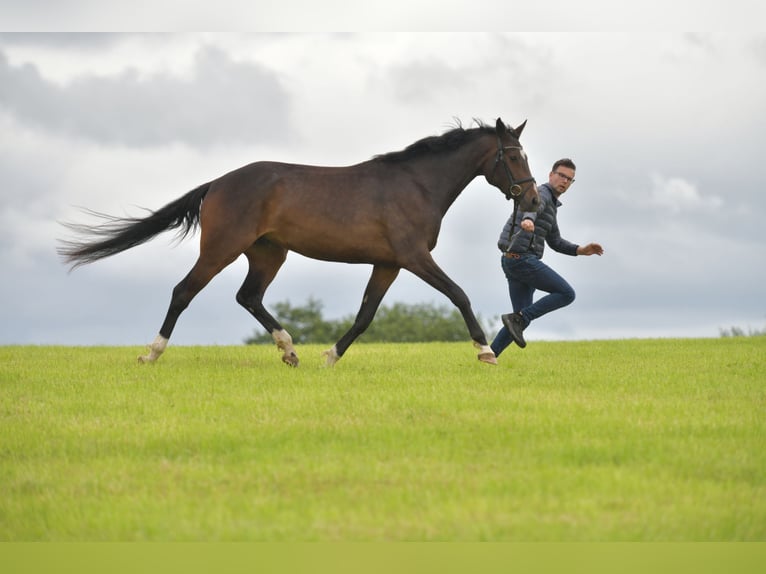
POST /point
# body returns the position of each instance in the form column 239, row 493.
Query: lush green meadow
column 638, row 440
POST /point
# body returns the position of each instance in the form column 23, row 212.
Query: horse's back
column 365, row 182
column 335, row 213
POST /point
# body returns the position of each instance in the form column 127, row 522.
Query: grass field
column 637, row 440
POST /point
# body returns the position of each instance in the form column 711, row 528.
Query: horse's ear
column 500, row 127
column 520, row 129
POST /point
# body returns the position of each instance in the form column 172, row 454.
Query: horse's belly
column 348, row 245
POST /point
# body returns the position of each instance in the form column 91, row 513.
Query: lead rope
column 513, row 223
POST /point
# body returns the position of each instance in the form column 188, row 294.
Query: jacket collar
column 550, row 191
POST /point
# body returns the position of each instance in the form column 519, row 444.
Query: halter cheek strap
column 514, row 185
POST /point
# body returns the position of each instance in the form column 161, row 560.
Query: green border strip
column 393, row 558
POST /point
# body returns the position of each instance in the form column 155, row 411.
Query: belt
column 511, row 255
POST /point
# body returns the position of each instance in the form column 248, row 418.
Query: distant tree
column 400, row 323
column 740, row 332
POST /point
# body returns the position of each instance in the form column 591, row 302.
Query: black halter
column 514, row 186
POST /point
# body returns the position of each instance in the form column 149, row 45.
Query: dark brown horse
column 386, row 212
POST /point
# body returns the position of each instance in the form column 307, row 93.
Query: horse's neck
column 446, row 175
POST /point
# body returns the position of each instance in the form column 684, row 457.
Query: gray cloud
column 223, row 101
column 498, row 64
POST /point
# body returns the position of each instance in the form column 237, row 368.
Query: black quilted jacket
column 514, row 239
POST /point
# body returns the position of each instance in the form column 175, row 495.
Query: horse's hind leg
column 265, row 259
column 379, row 282
column 199, row 276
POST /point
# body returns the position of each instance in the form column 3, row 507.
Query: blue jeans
column 525, row 275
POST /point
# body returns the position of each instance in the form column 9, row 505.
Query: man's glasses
column 564, row 177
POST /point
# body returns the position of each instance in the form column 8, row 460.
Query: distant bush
column 740, row 332
column 399, row 323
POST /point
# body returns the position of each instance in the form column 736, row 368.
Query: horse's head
column 510, row 170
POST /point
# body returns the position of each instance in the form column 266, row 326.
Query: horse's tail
column 117, row 234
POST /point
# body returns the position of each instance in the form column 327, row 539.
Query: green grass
column 639, row 440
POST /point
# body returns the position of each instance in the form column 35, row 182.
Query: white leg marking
column 285, row 344
column 156, row 348
column 332, row 356
column 282, row 339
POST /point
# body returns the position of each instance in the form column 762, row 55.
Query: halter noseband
column 514, row 186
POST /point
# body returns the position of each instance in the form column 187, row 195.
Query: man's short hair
column 566, row 162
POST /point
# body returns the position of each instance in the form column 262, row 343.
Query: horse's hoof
column 290, row 360
column 331, row 357
column 488, row 358
column 156, row 348
column 150, row 358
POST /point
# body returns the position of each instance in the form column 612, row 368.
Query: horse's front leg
column 427, row 269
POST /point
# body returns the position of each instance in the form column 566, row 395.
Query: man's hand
column 590, row 249
column 528, row 225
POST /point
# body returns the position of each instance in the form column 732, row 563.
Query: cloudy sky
column 667, row 128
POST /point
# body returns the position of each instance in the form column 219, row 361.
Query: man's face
column 561, row 178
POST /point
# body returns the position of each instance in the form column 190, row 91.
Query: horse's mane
column 448, row 141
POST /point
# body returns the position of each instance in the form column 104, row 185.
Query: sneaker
column 515, row 325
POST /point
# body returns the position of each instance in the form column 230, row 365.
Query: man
column 522, row 242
